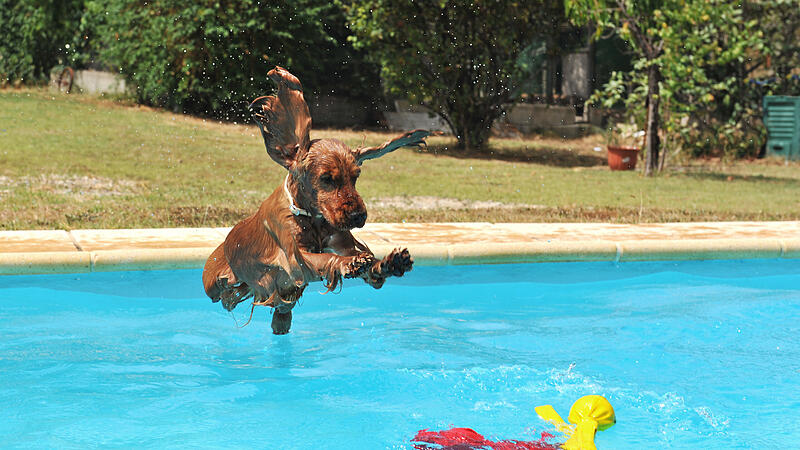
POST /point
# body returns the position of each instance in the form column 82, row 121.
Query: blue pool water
column 691, row 355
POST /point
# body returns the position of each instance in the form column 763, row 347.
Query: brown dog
column 301, row 233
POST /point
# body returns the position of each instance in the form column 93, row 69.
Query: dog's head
column 323, row 173
column 323, row 181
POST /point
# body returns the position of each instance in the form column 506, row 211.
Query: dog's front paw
column 396, row 263
column 357, row 265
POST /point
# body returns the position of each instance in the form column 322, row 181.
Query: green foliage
column 707, row 54
column 710, row 106
column 206, row 56
column 780, row 22
column 36, row 36
column 778, row 67
column 212, row 57
column 637, row 23
column 458, row 57
column 625, row 134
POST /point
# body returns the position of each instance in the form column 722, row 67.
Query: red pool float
column 467, row 438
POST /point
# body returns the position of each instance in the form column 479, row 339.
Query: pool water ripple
column 691, row 355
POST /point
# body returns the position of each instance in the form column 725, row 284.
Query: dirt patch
column 427, row 203
column 75, row 185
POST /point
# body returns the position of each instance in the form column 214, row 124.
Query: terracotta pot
column 622, row 157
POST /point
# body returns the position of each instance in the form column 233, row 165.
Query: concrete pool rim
column 431, row 244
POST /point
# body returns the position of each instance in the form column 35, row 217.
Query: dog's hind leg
column 281, row 321
column 221, row 284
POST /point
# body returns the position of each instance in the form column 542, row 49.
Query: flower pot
column 622, row 158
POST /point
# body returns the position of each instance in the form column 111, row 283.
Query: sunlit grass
column 185, row 171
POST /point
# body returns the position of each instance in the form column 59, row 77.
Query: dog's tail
column 220, row 283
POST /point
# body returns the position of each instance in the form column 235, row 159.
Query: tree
column 457, row 57
column 636, row 22
column 710, row 52
column 693, row 59
column 701, row 54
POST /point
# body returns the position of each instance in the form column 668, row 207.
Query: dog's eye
column 326, row 178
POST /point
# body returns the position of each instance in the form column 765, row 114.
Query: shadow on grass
column 731, row 177
column 555, row 157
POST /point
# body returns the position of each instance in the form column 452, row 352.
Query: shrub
column 702, row 53
column 212, row 56
column 710, row 52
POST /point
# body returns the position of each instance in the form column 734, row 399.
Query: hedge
column 36, row 36
column 206, row 56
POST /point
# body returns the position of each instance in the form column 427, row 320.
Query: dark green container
column 782, row 119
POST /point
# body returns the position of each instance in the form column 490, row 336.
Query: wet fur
column 271, row 256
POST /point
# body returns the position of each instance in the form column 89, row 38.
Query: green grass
column 81, row 162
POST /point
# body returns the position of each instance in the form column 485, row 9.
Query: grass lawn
column 81, row 162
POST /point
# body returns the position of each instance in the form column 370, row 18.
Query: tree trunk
column 652, row 142
column 473, row 126
column 471, row 137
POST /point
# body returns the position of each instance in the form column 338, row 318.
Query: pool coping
column 83, row 251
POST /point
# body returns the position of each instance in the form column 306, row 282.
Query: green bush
column 212, row 56
column 709, row 55
column 704, row 56
column 36, row 36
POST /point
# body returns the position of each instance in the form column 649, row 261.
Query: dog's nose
column 358, row 219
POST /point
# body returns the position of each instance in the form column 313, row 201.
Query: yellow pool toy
column 589, row 414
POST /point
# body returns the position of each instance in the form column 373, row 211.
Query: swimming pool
column 691, row 355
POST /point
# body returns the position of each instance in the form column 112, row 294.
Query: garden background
column 177, row 148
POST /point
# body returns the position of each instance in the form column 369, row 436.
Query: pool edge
column 82, row 251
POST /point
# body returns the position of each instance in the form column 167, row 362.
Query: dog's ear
column 284, row 119
column 414, row 138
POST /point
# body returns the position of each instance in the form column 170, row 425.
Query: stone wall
column 519, row 118
column 531, row 117
column 93, row 82
column 411, row 117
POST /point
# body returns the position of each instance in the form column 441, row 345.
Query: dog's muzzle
column 358, row 219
